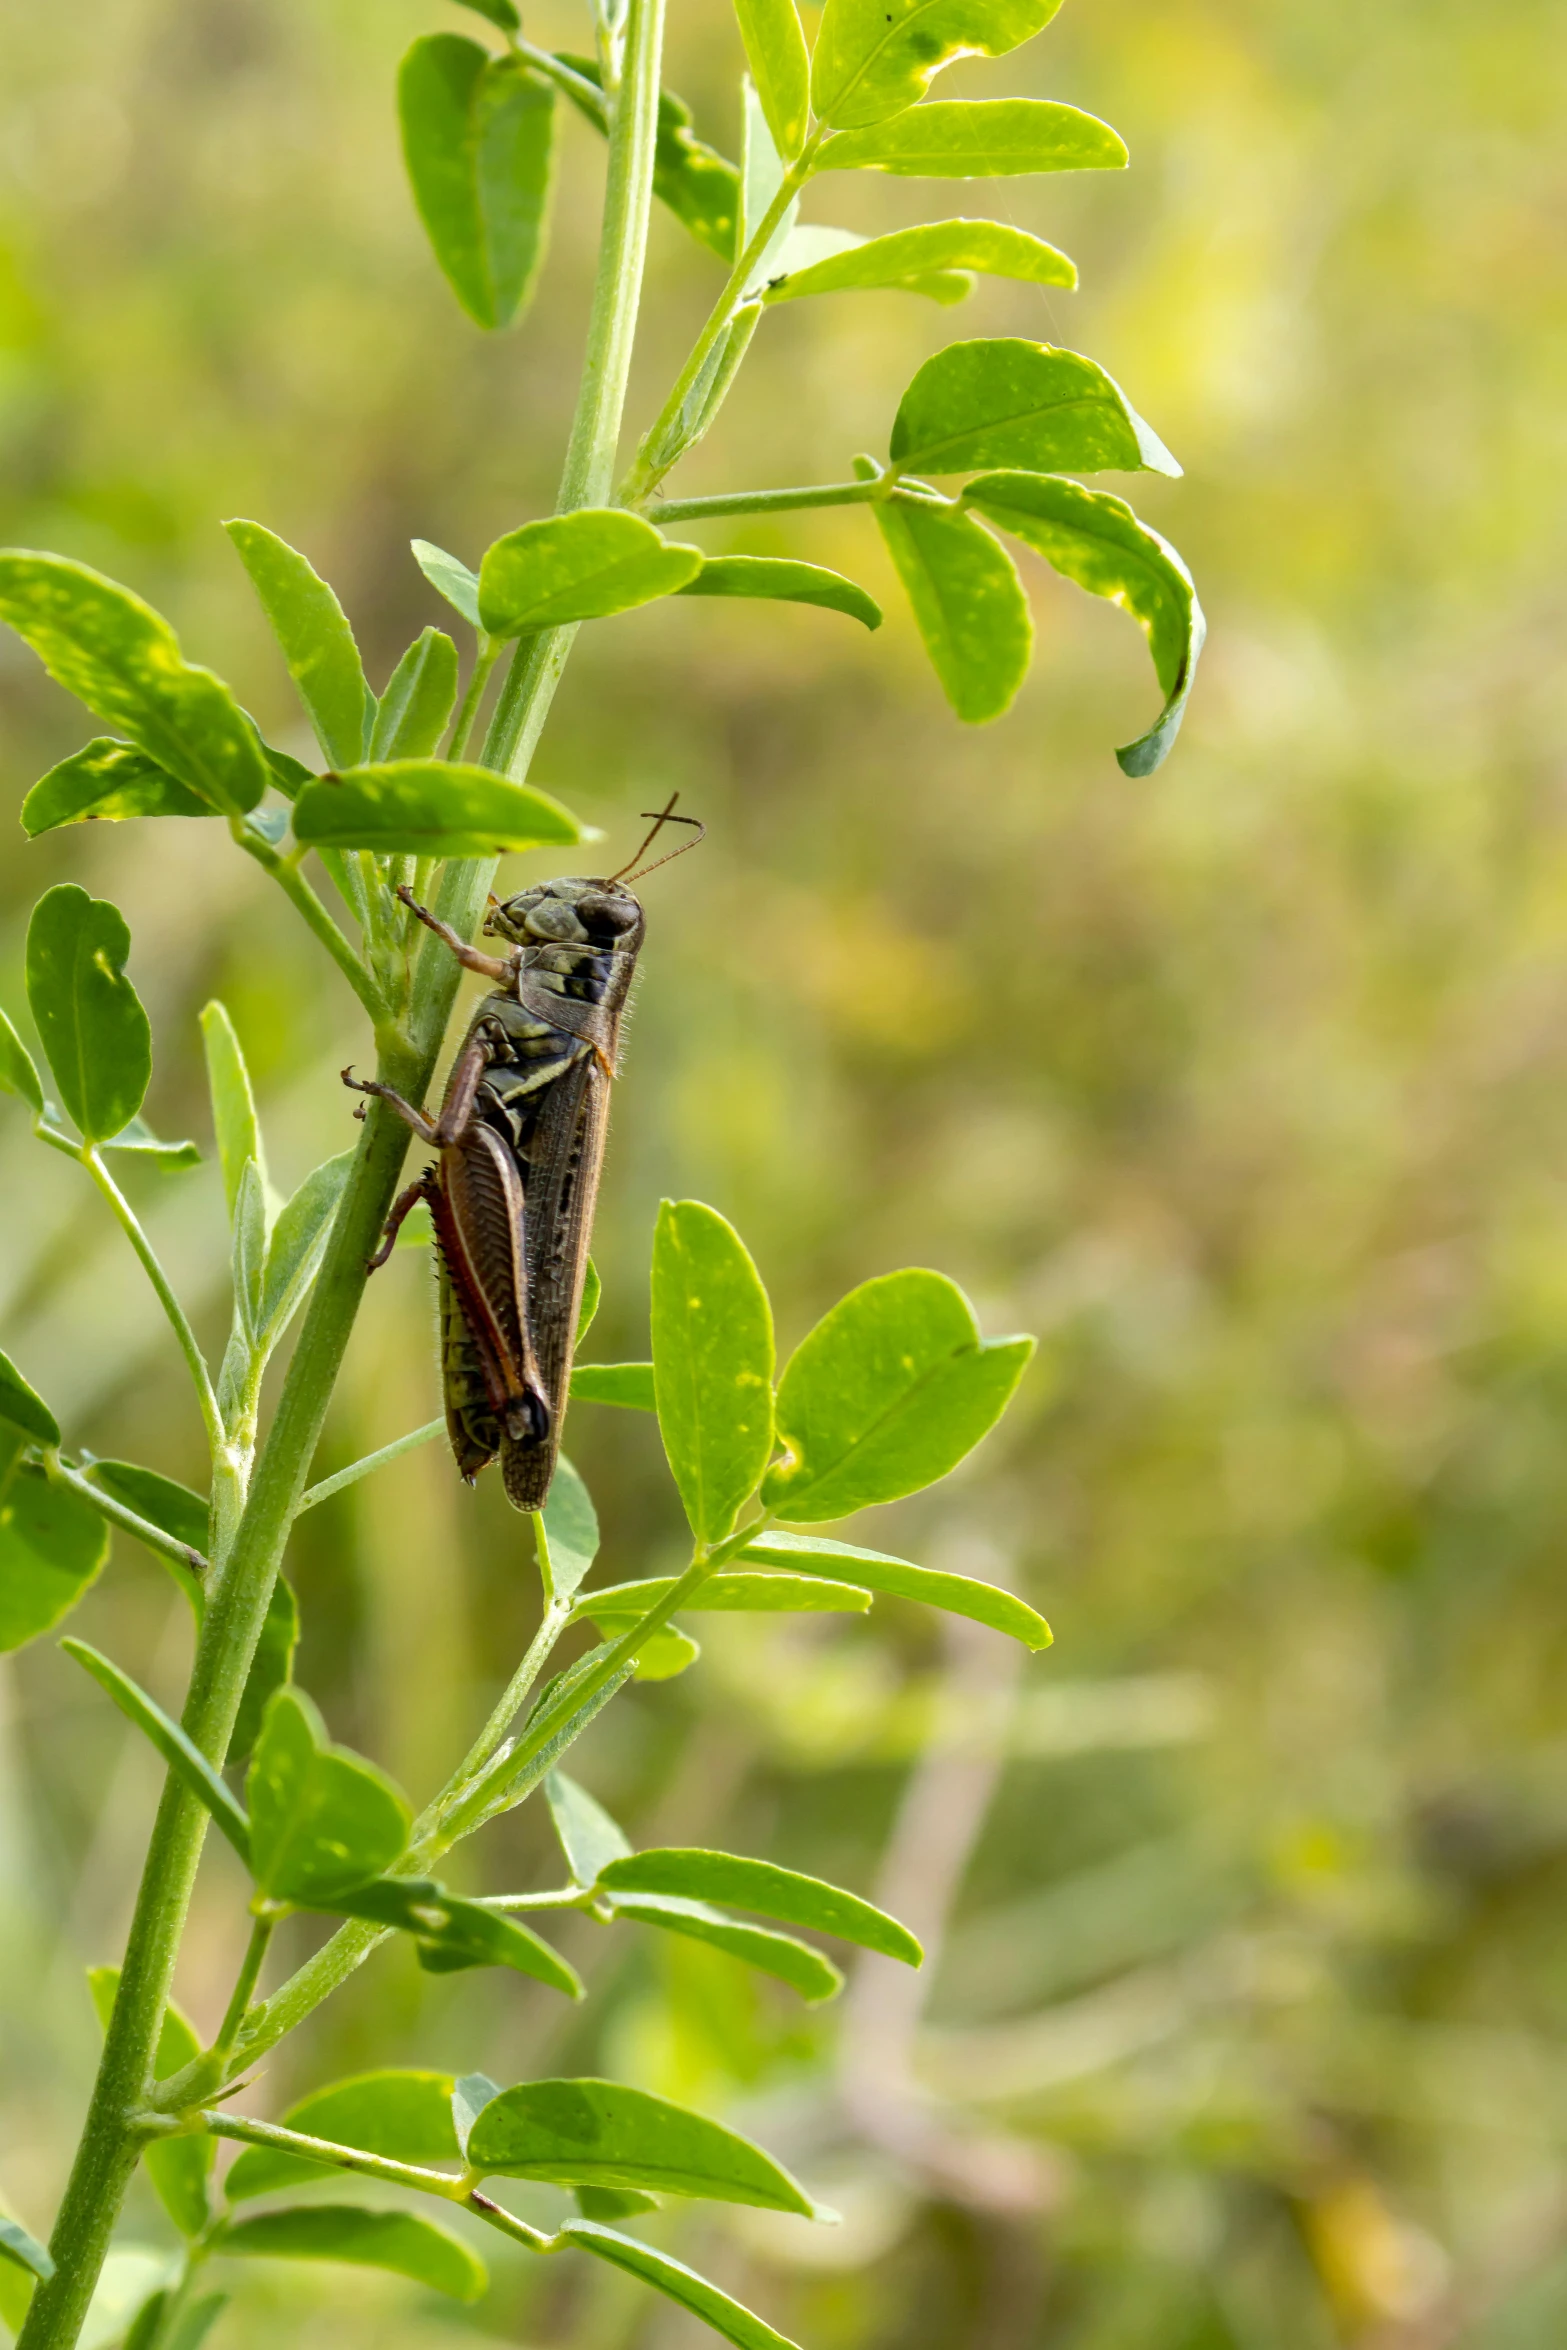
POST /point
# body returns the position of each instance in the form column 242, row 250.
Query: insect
column 520, row 1138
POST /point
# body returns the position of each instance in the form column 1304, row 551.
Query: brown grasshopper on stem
column 521, row 1141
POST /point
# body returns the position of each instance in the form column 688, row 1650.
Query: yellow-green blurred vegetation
column 1245, row 1085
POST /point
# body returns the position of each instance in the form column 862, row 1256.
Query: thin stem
column 195, row 1360
column 827, row 493
column 369, row 2166
column 179, row 1554
column 244, row 1985
column 509, row 2224
column 300, row 894
column 556, row 1616
column 372, row 1460
column 588, row 474
column 559, row 1897
column 647, row 472
column 489, row 652
column 554, row 69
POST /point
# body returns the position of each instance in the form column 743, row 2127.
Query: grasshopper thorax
column 569, row 912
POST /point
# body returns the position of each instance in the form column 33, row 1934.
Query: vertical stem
column 589, row 471
column 237, row 1605
column 244, row 1984
column 195, row 1360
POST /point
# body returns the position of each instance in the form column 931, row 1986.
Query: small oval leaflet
column 760, row 1885
column 601, row 2133
column 429, row 808
column 402, row 2241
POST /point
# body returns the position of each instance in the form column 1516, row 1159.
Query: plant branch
column 647, row 471
column 179, row 1554
column 196, row 1361
column 370, row 2166
column 372, row 1460
column 300, row 894
column 827, row 493
column 244, row 1985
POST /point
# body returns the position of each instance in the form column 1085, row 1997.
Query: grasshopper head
column 572, row 911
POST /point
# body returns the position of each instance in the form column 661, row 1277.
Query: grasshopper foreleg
column 471, row 958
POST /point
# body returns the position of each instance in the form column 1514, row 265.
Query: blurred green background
column 1243, row 1085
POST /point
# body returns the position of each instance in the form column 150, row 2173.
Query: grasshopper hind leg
column 401, row 1209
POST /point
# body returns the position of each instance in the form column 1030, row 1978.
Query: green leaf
column 479, row 143
column 24, row 1407
column 180, row 1752
column 192, row 2326
column 1009, row 402
column 248, row 1250
column 167, row 1504
column 18, row 1071
column 450, row 579
column 815, row 243
column 979, row 138
column 298, row 1244
column 271, row 1667
column 724, row 1594
column 470, row 2095
column 678, row 2283
column 612, row 2202
column 420, row 696
column 138, row 1136
column 119, row 657
column 790, row 583
column 602, row 2134
column 178, row 2167
column 570, row 1528
column 1097, row 541
column 89, row 1016
column 712, row 1363
column 592, row 1292
column 697, row 184
column 968, row 603
column 107, row 780
column 501, row 12
column 318, row 644
column 234, row 1120
column 589, row 1838
column 323, row 1820
column 430, row 808
column 404, row 2115
column 757, row 1884
column 24, row 2250
column 885, row 1395
column 873, row 1570
column 805, row 1970
column 453, row 1934
column 912, row 257
column 664, row 1654
column 630, row 1385
column 397, row 2240
column 581, row 566
column 51, row 1547
column 780, row 67
column 874, row 60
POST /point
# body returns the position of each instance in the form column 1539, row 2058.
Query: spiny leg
column 402, row 1207
column 424, row 1127
column 471, row 959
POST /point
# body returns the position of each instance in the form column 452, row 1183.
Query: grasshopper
column 520, row 1138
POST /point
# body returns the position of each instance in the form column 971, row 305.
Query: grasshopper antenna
column 665, row 815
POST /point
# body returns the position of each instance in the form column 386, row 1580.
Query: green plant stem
column 647, row 472
column 484, row 660
column 827, row 493
column 236, row 1609
column 196, row 1361
column 589, row 469
column 555, row 1619
column 244, row 1985
column 107, row 2152
column 370, row 2166
column 372, row 1460
column 179, row 1554
column 298, row 891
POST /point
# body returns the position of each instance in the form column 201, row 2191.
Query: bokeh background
column 1244, row 1086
